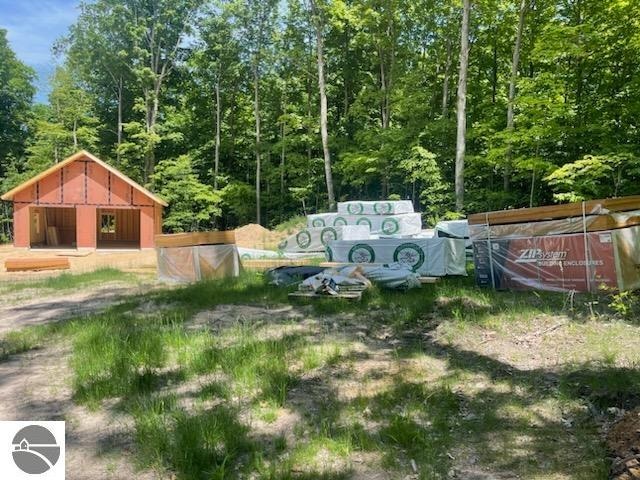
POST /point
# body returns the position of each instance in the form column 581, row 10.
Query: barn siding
column 87, row 186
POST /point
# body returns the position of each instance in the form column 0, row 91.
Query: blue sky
column 32, row 27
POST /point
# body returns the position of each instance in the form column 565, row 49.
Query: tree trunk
column 75, row 134
column 119, row 120
column 283, row 137
column 323, row 104
column 256, row 105
column 445, row 84
column 462, row 105
column 216, row 157
column 512, row 91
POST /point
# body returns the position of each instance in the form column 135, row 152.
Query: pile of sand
column 256, row 236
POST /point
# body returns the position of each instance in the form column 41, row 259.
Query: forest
column 240, row 111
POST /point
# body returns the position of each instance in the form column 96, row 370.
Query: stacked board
column 389, row 207
column 405, row 224
column 36, row 264
column 582, row 246
column 315, row 239
column 435, row 257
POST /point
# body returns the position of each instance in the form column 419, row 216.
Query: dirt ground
column 38, row 384
column 81, row 261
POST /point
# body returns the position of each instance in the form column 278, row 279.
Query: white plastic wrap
column 403, row 224
column 255, row 254
column 435, row 257
column 314, row 239
column 382, row 207
column 192, row 264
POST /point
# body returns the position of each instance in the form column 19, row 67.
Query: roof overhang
column 77, row 156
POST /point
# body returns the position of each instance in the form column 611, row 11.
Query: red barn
column 82, row 202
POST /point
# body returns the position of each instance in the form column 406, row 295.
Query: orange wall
column 21, row 225
column 99, row 188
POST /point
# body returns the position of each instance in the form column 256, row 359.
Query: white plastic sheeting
column 434, row 257
column 403, row 224
column 255, row 254
column 191, row 264
column 453, row 228
column 382, row 207
column 314, row 239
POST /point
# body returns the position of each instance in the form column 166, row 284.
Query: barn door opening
column 52, row 227
column 118, row 228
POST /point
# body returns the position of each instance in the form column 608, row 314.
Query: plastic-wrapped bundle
column 435, row 257
column 255, row 254
column 194, row 263
column 403, row 224
column 383, row 207
column 314, row 239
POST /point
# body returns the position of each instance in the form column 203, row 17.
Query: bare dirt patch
column 623, row 439
column 37, row 386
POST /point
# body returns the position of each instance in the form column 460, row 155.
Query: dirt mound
column 624, row 442
column 256, row 236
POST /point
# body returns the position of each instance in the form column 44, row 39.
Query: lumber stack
column 581, row 246
column 195, row 256
column 36, row 264
column 190, row 239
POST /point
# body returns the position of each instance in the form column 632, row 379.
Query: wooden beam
column 266, row 263
column 550, row 212
column 36, row 264
column 190, row 239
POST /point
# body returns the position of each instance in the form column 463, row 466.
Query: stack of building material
column 582, row 246
column 433, row 257
column 404, row 224
column 36, row 264
column 194, row 256
column 315, row 239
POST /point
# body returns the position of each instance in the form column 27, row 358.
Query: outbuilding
column 83, row 202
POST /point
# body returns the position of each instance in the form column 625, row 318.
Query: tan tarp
column 191, row 264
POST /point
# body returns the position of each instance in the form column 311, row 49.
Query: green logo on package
column 328, row 253
column 364, row 221
column 409, row 254
column 318, row 222
column 355, row 208
column 303, row 239
column 328, row 235
column 361, row 253
column 390, row 226
column 339, row 222
column 382, row 208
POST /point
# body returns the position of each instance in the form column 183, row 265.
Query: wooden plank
column 189, row 239
column 266, row 263
column 357, row 295
column 550, row 212
column 37, row 264
column 52, row 236
column 344, row 264
column 424, row 280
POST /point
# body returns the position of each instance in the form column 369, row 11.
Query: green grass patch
column 70, row 281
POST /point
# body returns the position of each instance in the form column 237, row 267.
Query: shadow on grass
column 133, row 358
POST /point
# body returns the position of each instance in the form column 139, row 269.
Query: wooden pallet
column 550, row 212
column 190, row 239
column 36, row 264
column 351, row 295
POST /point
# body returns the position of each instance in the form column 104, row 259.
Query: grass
column 385, row 384
column 69, row 281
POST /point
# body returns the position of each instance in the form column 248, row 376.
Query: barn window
column 107, row 223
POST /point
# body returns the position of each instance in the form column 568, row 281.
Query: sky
column 32, row 28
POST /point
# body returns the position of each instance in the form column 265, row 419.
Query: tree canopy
column 220, row 105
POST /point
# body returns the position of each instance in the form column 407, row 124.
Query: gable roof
column 77, row 156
